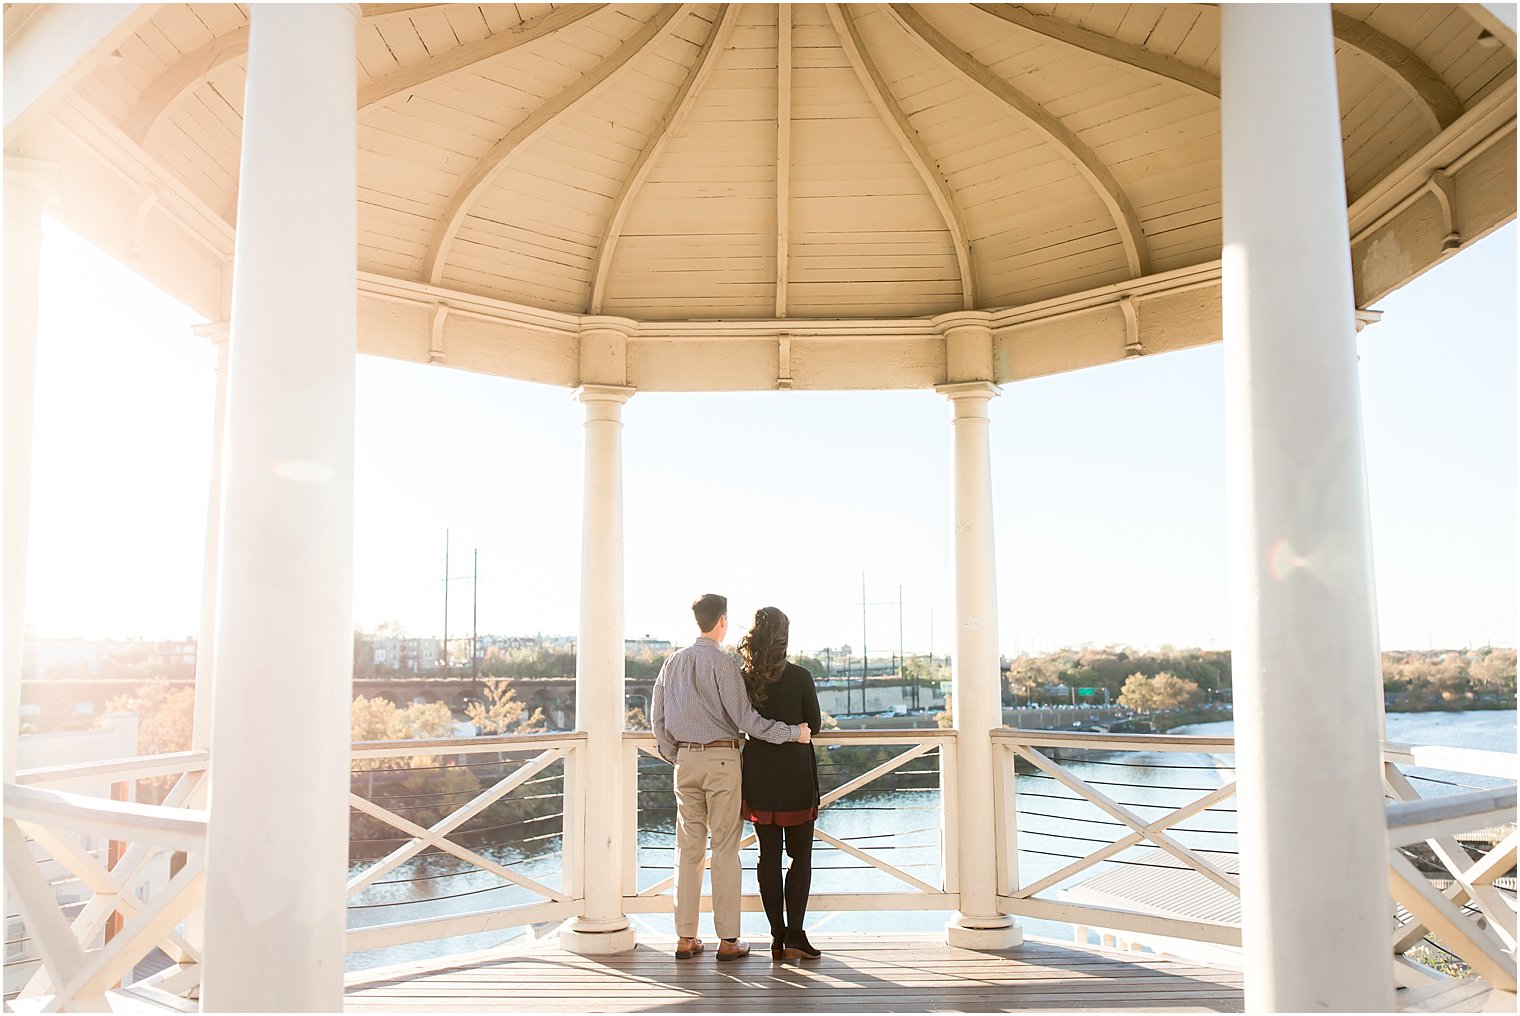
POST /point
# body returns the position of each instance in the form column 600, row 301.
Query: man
column 699, row 708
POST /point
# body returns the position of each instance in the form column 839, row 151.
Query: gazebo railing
column 82, row 955
column 1094, row 836
column 857, row 770
column 461, row 837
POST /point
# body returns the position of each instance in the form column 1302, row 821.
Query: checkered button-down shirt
column 700, row 697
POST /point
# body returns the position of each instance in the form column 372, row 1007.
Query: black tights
column 799, row 874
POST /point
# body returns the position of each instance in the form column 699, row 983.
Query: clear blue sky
column 1109, row 486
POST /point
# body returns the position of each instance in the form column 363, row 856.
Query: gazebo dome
column 823, row 173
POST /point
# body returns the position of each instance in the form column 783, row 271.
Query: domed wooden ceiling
column 810, row 162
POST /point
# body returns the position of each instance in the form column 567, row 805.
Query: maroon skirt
column 781, row 818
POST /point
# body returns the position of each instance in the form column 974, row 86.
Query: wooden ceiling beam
column 469, row 54
column 675, row 114
column 1106, row 46
column 1428, row 89
column 1077, row 151
column 480, row 176
column 783, row 153
column 912, row 145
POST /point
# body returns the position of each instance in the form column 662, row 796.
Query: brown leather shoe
column 686, row 948
column 735, row 950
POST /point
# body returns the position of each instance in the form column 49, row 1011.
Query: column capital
column 943, row 323
column 960, row 390
column 216, row 332
column 627, row 327
column 29, row 185
column 618, row 394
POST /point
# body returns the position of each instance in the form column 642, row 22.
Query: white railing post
column 217, row 333
column 1307, row 664
column 976, row 678
column 277, row 850
column 602, row 927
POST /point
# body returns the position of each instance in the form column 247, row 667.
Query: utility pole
column 445, row 601
column 475, row 620
column 901, row 659
column 865, row 656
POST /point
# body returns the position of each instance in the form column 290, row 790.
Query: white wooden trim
column 1432, row 909
column 817, row 903
column 480, row 176
column 1066, row 141
column 1103, row 853
column 1413, row 821
column 896, row 762
column 33, row 898
column 139, row 935
column 382, row 936
column 875, row 862
column 138, row 768
column 1117, row 742
column 950, row 822
column 675, row 114
column 783, row 154
column 437, row 834
column 469, row 54
column 1106, row 46
column 1080, row 786
column 1499, row 764
column 178, row 828
column 465, row 746
column 1427, row 88
column 912, row 145
column 1122, row 920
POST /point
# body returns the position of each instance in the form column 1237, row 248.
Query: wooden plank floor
column 858, row 973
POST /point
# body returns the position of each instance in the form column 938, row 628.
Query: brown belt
column 693, row 746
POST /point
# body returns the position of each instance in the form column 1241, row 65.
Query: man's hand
column 804, row 734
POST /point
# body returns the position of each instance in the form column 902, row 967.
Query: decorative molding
column 912, row 145
column 1086, row 161
column 435, row 342
column 492, row 163
column 1132, row 344
column 675, row 114
column 784, row 361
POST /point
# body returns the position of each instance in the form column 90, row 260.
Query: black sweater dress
column 781, row 780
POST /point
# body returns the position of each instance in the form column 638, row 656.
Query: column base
column 586, row 937
column 983, row 933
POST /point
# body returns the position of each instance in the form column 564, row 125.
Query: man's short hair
column 708, row 609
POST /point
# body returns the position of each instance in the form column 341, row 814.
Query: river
column 900, row 824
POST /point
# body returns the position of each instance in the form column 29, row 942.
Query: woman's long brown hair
column 762, row 653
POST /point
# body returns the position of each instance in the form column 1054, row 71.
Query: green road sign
column 1085, row 691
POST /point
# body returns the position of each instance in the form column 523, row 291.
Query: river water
column 900, row 823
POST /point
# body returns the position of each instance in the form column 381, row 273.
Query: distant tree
column 165, row 721
column 380, row 719
column 826, row 721
column 1493, row 671
column 1157, row 694
column 946, row 719
column 636, row 720
column 502, row 713
column 1138, row 694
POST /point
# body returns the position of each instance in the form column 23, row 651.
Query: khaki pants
column 708, row 791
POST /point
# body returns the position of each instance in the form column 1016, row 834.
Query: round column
column 1307, row 666
column 975, row 678
column 602, row 928
column 217, row 333
column 277, row 853
column 28, row 186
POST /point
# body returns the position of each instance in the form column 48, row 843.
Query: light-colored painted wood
column 384, row 936
column 783, row 155
column 1115, row 919
column 1424, row 85
column 137, row 768
column 484, row 171
column 1485, row 956
column 1142, row 58
column 913, row 146
column 701, row 70
column 1413, row 821
column 468, row 54
column 178, row 828
column 1056, row 132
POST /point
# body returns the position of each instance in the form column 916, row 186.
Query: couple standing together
column 703, row 702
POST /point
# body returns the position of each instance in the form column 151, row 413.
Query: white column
column 1307, row 664
column 277, row 857
column 602, row 928
column 28, row 186
column 217, row 332
column 976, row 681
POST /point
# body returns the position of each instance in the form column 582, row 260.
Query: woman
column 781, row 782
